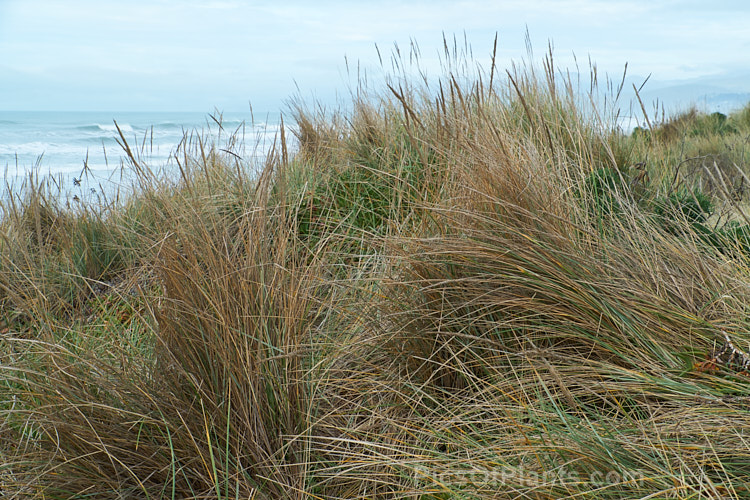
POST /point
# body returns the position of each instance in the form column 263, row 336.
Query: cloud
column 94, row 45
column 220, row 5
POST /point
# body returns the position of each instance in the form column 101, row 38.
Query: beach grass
column 473, row 287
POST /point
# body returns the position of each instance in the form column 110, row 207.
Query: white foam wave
column 38, row 147
column 113, row 129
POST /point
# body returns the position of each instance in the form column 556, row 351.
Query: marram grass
column 474, row 288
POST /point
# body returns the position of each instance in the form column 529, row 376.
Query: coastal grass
column 478, row 287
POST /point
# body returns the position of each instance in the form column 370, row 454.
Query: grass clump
column 473, row 288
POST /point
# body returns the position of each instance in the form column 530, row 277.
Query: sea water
column 76, row 148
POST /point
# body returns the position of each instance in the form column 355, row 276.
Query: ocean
column 69, row 146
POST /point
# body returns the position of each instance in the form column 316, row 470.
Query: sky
column 189, row 55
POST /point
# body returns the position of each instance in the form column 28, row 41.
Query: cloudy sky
column 170, row 55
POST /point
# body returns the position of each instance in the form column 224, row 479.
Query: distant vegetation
column 478, row 288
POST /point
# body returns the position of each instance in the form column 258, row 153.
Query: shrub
column 692, row 206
